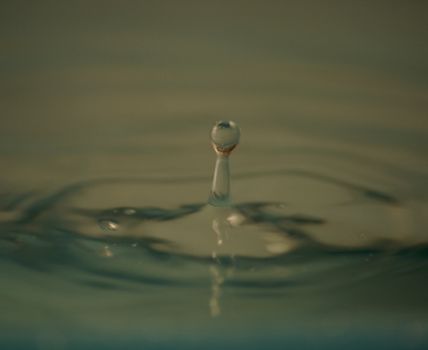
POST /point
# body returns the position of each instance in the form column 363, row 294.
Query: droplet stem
column 220, row 190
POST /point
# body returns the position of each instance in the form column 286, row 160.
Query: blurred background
column 100, row 88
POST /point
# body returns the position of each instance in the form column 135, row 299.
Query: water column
column 224, row 137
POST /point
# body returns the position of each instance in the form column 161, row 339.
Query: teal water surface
column 106, row 240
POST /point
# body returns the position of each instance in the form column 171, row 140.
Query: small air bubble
column 129, row 211
column 108, row 225
column 106, row 252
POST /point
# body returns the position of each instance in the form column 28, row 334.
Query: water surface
column 106, row 166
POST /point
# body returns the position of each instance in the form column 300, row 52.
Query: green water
column 106, row 166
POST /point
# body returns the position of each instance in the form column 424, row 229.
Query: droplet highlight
column 108, row 225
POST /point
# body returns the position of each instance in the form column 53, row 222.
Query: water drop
column 106, row 252
column 108, row 225
column 129, row 211
column 225, row 136
column 121, row 211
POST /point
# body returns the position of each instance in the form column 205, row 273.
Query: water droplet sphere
column 225, row 136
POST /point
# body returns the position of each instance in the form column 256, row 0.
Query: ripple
column 125, row 233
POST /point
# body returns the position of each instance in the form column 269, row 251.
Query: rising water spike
column 224, row 137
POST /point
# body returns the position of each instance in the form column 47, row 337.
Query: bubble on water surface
column 129, row 211
column 106, row 252
column 108, row 225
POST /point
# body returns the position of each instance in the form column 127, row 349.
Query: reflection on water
column 217, row 281
column 304, row 256
column 301, row 248
column 105, row 236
